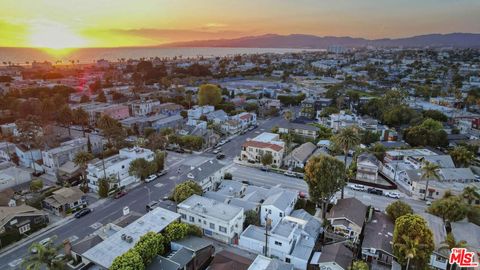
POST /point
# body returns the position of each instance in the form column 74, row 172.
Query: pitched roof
column 337, row 253
column 280, row 200
column 204, row 170
column 258, row 144
column 226, row 260
column 7, row 213
column 304, row 151
column 64, row 196
column 468, row 232
column 378, row 233
column 350, row 208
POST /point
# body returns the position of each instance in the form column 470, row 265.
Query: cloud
column 174, row 35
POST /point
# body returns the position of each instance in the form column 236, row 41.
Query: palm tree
column 81, row 160
column 44, row 256
column 409, row 248
column 80, row 117
column 347, row 139
column 429, row 171
column 462, row 156
column 450, row 243
column 470, row 193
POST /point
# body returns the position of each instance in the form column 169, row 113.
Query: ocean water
column 22, row 56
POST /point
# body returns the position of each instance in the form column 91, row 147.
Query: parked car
column 375, row 191
column 358, row 187
column 151, row 205
column 263, row 168
column 83, row 212
column 44, row 242
column 221, row 156
column 162, row 173
column 393, row 194
column 428, row 203
column 120, row 194
column 216, row 150
column 302, row 195
column 290, row 173
column 150, row 178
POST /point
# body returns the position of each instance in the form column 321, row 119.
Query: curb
column 50, row 227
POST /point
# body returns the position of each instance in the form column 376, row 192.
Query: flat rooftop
column 104, row 253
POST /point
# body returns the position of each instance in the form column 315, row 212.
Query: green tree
column 412, row 241
column 176, row 231
column 81, row 159
column 112, row 130
column 471, row 194
column 267, row 159
column 429, row 172
column 324, row 175
column 227, row 176
column 209, row 94
column 65, row 117
column 251, row 218
column 449, row 243
column 36, row 185
column 185, row 190
column 103, row 187
column 347, row 139
column 461, row 156
column 149, row 246
column 288, row 115
column 141, row 168
column 378, row 150
column 359, row 265
column 159, row 160
column 80, row 117
column 435, row 115
column 129, row 260
column 451, row 208
column 45, row 256
column 101, row 97
column 398, row 209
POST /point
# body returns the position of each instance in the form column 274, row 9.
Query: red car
column 120, row 194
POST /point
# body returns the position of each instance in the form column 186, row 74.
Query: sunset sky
column 115, row 23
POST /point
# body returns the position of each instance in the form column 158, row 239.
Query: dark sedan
column 83, row 212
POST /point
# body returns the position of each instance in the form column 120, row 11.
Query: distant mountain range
column 456, row 40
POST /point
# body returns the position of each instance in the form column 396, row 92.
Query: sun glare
column 55, row 36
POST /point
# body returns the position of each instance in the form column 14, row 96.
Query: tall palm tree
column 470, row 193
column 44, row 256
column 409, row 248
column 347, row 139
column 450, row 243
column 429, row 171
column 80, row 117
column 81, row 160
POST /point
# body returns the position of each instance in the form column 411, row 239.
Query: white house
column 291, row 240
column 56, row 157
column 277, row 206
column 208, row 175
column 28, row 157
column 198, row 111
column 116, row 168
column 367, row 167
column 265, row 143
column 144, row 107
column 218, row 220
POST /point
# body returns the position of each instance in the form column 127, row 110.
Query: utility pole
column 267, row 223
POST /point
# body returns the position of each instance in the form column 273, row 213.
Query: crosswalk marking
column 96, row 225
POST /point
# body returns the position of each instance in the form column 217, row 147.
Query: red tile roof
column 257, row 144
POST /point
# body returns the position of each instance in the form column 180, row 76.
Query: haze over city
column 91, row 23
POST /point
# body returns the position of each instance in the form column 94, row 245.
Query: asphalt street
column 139, row 195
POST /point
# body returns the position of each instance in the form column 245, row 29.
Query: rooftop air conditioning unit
column 124, row 236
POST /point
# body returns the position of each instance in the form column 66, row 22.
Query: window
column 212, row 226
column 440, row 259
column 278, row 243
column 25, row 228
column 280, row 214
column 37, row 220
column 199, row 221
column 184, row 216
column 192, row 219
column 222, row 229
